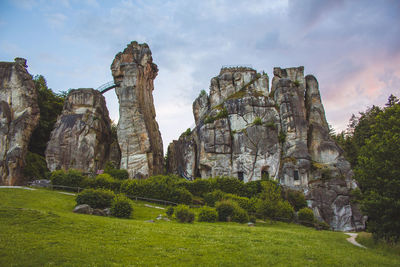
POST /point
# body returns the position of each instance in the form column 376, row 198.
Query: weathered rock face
column 19, row 115
column 245, row 131
column 138, row 134
column 82, row 135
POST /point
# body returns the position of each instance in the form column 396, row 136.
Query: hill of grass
column 38, row 228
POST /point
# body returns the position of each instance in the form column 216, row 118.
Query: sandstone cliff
column 138, row 135
column 19, row 115
column 246, row 131
column 82, row 135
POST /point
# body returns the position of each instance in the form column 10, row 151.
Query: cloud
column 56, row 20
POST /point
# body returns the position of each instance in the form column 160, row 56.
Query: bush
column 95, row 198
column 244, row 202
column 225, row 209
column 71, row 178
column 240, row 215
column 253, row 188
column 182, row 195
column 105, row 181
column 35, row 167
column 295, row 198
column 208, row 214
column 198, row 187
column 170, row 211
column 121, row 206
column 184, row 214
column 322, row 225
column 213, row 197
column 228, row 185
column 306, row 216
column 285, row 211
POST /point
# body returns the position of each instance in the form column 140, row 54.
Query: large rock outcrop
column 19, row 115
column 82, row 134
column 138, row 134
column 246, row 131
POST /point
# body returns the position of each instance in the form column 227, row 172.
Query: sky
column 351, row 47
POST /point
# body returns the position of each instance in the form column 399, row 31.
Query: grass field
column 38, row 228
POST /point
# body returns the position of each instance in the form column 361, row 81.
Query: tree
column 50, row 105
column 378, row 172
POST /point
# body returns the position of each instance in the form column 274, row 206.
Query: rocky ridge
column 19, row 115
column 247, row 131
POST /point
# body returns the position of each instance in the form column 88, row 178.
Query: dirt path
column 352, row 239
column 22, row 187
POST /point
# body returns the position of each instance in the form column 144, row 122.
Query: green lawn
column 38, row 228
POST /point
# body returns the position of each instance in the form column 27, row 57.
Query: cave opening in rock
column 241, row 176
column 265, row 173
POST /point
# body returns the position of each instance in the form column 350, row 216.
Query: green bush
column 244, row 202
column 119, row 174
column 240, row 215
column 228, row 185
column 198, row 187
column 295, row 198
column 184, row 214
column 71, row 178
column 35, row 167
column 306, row 216
column 121, row 206
column 105, row 181
column 170, row 211
column 285, row 211
column 321, row 225
column 225, row 209
column 212, row 197
column 253, row 188
column 182, row 195
column 95, row 198
column 207, row 214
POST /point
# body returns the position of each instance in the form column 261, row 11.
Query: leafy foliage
column 295, row 198
column 169, row 211
column 229, row 210
column 35, row 167
column 306, row 216
column 50, row 106
column 120, row 174
column 208, row 214
column 72, row 178
column 378, row 174
column 257, row 121
column 183, row 214
column 95, row 198
column 121, row 206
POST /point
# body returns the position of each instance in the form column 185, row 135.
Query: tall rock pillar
column 138, row 135
column 19, row 115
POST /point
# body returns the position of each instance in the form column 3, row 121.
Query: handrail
column 106, row 87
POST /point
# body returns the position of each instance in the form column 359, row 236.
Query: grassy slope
column 38, row 228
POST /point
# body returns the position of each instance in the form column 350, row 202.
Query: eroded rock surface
column 19, row 115
column 246, row 131
column 82, row 134
column 139, row 137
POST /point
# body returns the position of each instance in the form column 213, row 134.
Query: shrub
column 208, row 214
column 182, row 195
column 240, row 215
column 198, row 187
column 121, row 206
column 198, row 201
column 228, row 185
column 105, row 181
column 253, row 188
column 184, row 214
column 35, row 167
column 95, row 198
column 295, row 198
column 170, row 211
column 285, row 211
column 322, row 225
column 257, row 121
column 203, row 92
column 120, row 174
column 225, row 209
column 71, row 178
column 244, row 202
column 306, row 216
column 187, row 132
column 212, row 197
column 252, row 219
column 221, row 114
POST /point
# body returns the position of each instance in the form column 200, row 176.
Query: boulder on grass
column 83, row 209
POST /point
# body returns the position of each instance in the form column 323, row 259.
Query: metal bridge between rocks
column 107, row 87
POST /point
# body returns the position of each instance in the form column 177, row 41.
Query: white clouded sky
column 352, row 47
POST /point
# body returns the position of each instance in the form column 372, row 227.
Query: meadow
column 38, row 228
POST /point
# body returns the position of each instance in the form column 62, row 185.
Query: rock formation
column 246, row 131
column 19, row 115
column 138, row 135
column 82, row 135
